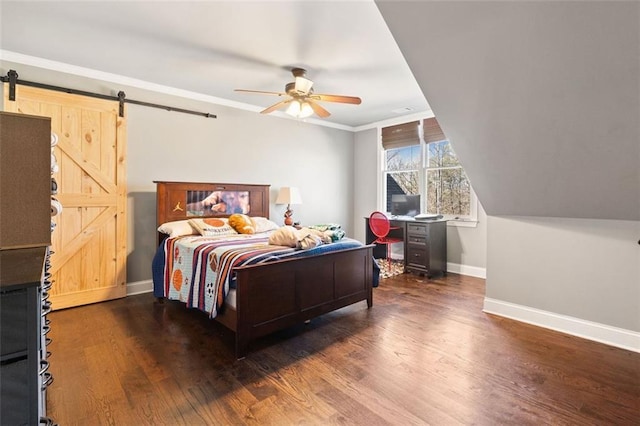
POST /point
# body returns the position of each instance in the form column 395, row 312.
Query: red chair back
column 379, row 224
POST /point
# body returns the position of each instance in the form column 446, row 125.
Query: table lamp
column 288, row 195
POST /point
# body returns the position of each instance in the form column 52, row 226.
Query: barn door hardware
column 12, row 75
column 121, row 98
column 12, row 79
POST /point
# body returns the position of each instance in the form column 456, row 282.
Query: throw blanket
column 197, row 271
column 307, row 238
column 332, row 230
column 303, row 238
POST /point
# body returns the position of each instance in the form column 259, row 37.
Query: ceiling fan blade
column 320, row 111
column 275, row 106
column 337, row 98
column 260, row 92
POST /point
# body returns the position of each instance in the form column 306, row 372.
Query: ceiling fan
column 301, row 101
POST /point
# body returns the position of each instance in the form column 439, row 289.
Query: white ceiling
column 211, row 48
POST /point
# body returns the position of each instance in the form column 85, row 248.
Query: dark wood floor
column 424, row 354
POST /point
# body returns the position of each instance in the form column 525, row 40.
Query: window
column 447, row 187
column 423, row 162
column 403, row 168
column 402, row 160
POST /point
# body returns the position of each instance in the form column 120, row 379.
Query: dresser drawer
column 417, row 229
column 417, row 239
column 14, row 318
column 417, row 257
column 15, row 394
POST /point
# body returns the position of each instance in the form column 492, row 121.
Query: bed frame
column 277, row 295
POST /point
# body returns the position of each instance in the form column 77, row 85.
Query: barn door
column 89, row 240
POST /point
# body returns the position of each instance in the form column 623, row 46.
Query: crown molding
column 6, row 55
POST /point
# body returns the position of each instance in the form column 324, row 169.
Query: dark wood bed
column 279, row 294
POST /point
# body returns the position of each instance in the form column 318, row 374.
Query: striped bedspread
column 198, row 270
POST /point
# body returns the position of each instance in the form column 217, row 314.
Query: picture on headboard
column 205, row 203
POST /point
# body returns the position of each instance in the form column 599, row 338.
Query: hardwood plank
column 424, row 354
column 120, row 241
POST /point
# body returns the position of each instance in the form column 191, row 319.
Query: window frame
column 465, row 221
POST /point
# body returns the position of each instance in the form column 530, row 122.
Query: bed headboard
column 184, row 200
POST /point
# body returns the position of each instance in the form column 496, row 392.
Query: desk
column 425, row 244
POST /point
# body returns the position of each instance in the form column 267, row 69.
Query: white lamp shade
column 305, row 110
column 294, row 108
column 299, row 109
column 289, row 195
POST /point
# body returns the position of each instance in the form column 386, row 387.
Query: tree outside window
column 448, row 190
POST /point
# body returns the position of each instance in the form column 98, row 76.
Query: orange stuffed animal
column 242, row 223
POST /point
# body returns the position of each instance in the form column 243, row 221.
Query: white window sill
column 462, row 223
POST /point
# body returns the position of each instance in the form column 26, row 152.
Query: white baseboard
column 472, row 271
column 613, row 336
column 139, row 287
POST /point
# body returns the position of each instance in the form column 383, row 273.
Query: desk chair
column 380, row 226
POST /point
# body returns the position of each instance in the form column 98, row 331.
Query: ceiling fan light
column 294, row 109
column 299, row 109
column 305, row 110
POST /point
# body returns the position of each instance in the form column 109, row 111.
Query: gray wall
column 540, row 99
column 237, row 147
column 467, row 246
column 582, row 268
column 541, row 103
column 365, row 179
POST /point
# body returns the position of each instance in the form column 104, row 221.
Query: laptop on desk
column 427, row 216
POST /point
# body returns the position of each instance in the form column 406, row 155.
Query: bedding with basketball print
column 198, row 269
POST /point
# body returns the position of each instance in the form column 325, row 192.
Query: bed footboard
column 280, row 294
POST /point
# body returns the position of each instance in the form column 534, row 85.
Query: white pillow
column 262, row 224
column 177, row 228
column 212, row 227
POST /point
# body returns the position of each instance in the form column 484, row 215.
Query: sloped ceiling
column 540, row 99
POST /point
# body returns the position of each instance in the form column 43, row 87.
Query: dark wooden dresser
column 23, row 364
column 25, row 237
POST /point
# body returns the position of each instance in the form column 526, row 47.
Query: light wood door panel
column 89, row 240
